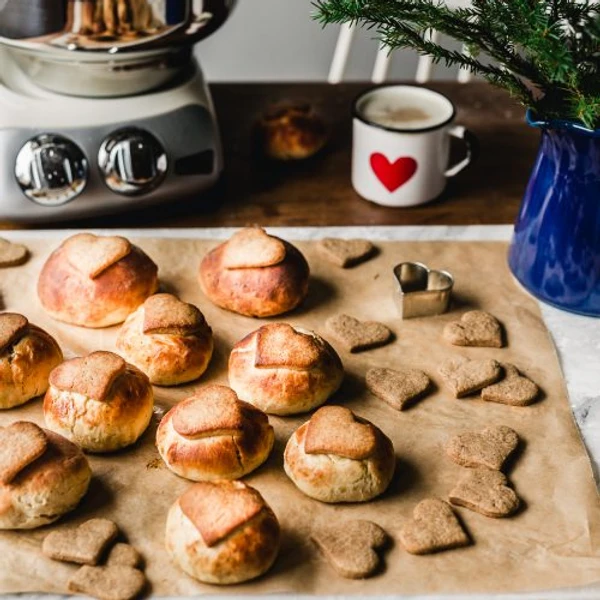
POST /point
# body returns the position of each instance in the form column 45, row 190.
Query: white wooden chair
column 382, row 60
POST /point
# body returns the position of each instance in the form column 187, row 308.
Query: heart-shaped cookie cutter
column 422, row 292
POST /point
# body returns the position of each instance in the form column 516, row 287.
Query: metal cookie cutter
column 422, row 292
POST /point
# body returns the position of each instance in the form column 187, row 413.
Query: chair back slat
column 341, row 53
column 383, row 59
column 382, row 64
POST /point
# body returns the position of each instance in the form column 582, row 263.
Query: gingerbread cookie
column 345, row 253
column 12, row 255
column 108, row 583
column 123, row 555
column 464, row 376
column 351, row 547
column 357, row 335
column 399, row 388
column 252, row 247
column 22, row 443
column 83, row 545
column 486, row 492
column 515, row 389
column 434, row 527
column 489, row 448
column 475, row 328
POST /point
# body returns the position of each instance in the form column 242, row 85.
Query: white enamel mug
column 401, row 144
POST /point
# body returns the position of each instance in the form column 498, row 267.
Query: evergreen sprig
column 545, row 53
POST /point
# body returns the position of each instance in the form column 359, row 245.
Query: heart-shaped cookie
column 12, row 327
column 92, row 255
column 335, row 430
column 92, row 375
column 489, row 448
column 108, row 583
column 399, row 388
column 83, row 545
column 434, row 528
column 20, row 444
column 280, row 345
column 485, row 492
column 475, row 328
column 167, row 314
column 12, row 255
column 345, row 253
column 217, row 509
column 123, row 555
column 515, row 389
column 350, row 547
column 212, row 409
column 357, row 335
column 464, row 376
column 252, row 247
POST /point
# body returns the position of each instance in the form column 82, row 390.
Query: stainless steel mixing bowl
column 106, row 47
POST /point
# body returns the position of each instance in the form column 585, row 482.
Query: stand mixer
column 102, row 106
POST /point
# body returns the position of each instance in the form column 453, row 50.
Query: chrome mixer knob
column 132, row 161
column 51, row 170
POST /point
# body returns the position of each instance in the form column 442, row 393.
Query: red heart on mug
column 393, row 175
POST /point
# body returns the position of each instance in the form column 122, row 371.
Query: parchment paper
column 553, row 542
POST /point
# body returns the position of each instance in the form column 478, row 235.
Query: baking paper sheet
column 553, row 542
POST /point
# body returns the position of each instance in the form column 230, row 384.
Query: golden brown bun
column 213, row 435
column 96, row 281
column 255, row 274
column 338, row 457
column 167, row 339
column 284, row 371
column 289, row 132
column 222, row 532
column 27, row 355
column 99, row 401
column 47, row 488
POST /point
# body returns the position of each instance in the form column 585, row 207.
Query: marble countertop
column 577, row 340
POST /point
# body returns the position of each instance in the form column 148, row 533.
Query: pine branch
column 548, row 52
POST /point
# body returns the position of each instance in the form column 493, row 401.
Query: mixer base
column 180, row 117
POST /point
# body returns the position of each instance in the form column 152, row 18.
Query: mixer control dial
column 132, row 161
column 51, row 170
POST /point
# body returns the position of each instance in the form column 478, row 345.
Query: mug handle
column 472, row 146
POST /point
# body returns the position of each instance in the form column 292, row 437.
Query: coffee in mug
column 401, row 144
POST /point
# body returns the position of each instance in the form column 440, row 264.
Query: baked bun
column 284, row 371
column 42, row 476
column 339, row 457
column 27, row 355
column 291, row 132
column 167, row 339
column 214, row 435
column 99, row 401
column 222, row 532
column 255, row 274
column 96, row 281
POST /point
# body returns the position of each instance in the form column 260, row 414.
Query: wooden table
column 318, row 191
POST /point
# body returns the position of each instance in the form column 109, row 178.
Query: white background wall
column 276, row 40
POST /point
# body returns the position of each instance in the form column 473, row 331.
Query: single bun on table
column 27, row 355
column 284, row 370
column 214, row 435
column 43, row 476
column 291, row 132
column 95, row 281
column 222, row 532
column 99, row 401
column 255, row 274
column 167, row 339
column 339, row 457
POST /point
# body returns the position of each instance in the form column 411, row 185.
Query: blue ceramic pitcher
column 555, row 251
